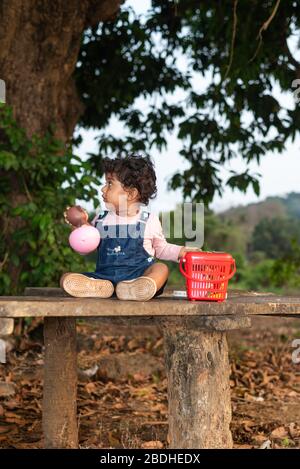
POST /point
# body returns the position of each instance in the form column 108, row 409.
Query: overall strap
column 141, row 222
column 100, row 218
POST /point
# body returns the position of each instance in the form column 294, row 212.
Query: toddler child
column 131, row 237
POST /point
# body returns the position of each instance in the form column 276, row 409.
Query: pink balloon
column 84, row 239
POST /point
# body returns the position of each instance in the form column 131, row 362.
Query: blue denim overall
column 121, row 254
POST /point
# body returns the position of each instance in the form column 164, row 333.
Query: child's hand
column 186, row 249
column 76, row 216
column 66, row 217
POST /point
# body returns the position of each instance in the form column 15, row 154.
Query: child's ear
column 133, row 194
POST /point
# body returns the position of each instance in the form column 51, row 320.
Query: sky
column 280, row 173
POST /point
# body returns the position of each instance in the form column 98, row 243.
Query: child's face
column 114, row 195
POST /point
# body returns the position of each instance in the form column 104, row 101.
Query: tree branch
column 264, row 27
column 232, row 39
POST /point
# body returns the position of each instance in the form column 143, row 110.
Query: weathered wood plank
column 213, row 323
column 56, row 291
column 206, row 323
column 23, row 306
column 47, row 291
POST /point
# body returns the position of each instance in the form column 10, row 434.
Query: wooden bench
column 196, row 356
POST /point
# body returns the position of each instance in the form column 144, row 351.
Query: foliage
column 286, row 270
column 221, row 61
column 47, row 177
column 292, row 203
column 223, row 235
column 279, row 275
column 259, row 277
column 273, row 237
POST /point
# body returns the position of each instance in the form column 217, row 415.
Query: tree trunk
column 39, row 45
column 60, row 383
column 198, row 388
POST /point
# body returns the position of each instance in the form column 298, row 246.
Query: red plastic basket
column 207, row 274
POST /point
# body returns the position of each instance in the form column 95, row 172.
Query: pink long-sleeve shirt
column 155, row 242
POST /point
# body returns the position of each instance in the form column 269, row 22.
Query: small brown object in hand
column 76, row 216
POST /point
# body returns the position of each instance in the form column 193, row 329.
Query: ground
column 122, row 386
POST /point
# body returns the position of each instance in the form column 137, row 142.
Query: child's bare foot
column 81, row 286
column 138, row 289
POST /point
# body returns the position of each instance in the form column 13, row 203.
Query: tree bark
column 60, row 383
column 198, row 388
column 39, row 45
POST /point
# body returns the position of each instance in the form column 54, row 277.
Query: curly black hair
column 134, row 171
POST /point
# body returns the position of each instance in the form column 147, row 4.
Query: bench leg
column 198, row 388
column 60, row 383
